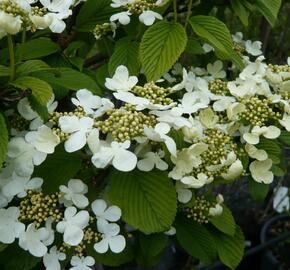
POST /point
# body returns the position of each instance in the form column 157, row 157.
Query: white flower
column 72, row 225
column 234, row 171
column 128, row 97
column 254, row 48
column 158, row 134
column 104, row 213
column 261, row 171
column 106, row 105
column 9, row 24
column 148, row 17
column 86, row 100
column 32, row 240
column 281, row 201
column 83, row 263
column 285, row 122
column 151, row 160
column 184, row 194
column 201, row 180
column 238, row 37
column 121, row 80
column 41, row 22
column 51, row 232
column 79, row 128
column 253, row 137
column 256, row 153
column 23, row 156
column 217, row 209
column 51, row 259
column 115, row 154
column 171, row 231
column 19, row 185
column 74, row 194
column 110, row 238
column 10, row 227
column 44, row 140
column 207, row 48
column 122, row 17
column 216, row 70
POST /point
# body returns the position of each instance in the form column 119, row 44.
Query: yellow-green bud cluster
column 90, row 237
column 37, row 207
column 199, row 212
column 278, row 69
column 102, row 30
column 238, row 48
column 10, row 7
column 218, row 87
column 138, row 6
column 219, row 145
column 154, row 93
column 18, row 122
column 258, row 111
column 37, row 11
column 125, row 123
column 78, row 112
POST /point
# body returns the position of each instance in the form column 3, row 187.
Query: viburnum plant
column 119, row 121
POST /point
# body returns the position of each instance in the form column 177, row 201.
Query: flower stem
column 23, row 39
column 190, row 4
column 12, row 57
column 175, row 10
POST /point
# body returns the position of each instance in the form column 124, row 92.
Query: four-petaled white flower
column 115, row 154
column 123, row 17
column 79, row 128
column 10, row 227
column 216, row 70
column 253, row 137
column 19, row 185
column 217, row 209
column 151, row 160
column 201, row 180
column 254, row 48
column 184, row 194
column 148, row 17
column 119, row 3
column 83, row 263
column 51, row 259
column 261, row 171
column 73, row 194
column 158, row 134
column 121, row 80
column 72, row 225
column 104, row 213
column 32, row 240
column 44, row 140
column 110, row 238
column 86, row 100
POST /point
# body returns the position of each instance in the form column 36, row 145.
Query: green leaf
column 15, row 258
column 195, row 239
column 37, row 48
column 257, row 190
column 70, row 79
column 147, row 199
column 241, row 11
column 217, row 34
column 41, row 90
column 94, row 12
column 272, row 148
column 225, row 222
column 125, row 53
column 160, row 48
column 32, row 66
column 194, row 47
column 3, row 139
column 285, row 137
column 39, row 108
column 230, row 248
column 277, row 171
column 4, row 71
column 58, row 169
column 150, row 248
column 269, row 9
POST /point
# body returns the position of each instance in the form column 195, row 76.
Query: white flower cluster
column 17, row 15
column 140, row 7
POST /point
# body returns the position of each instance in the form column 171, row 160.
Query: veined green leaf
column 241, row 11
column 32, row 66
column 147, row 199
column 160, row 48
column 269, row 9
column 4, row 71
